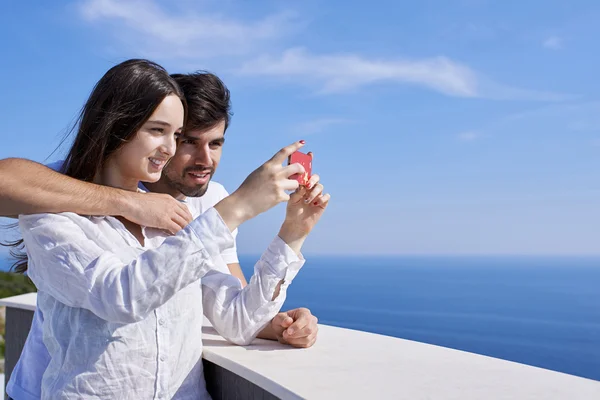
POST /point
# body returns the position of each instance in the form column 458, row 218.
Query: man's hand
column 297, row 327
column 156, row 210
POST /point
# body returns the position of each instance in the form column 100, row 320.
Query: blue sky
column 439, row 127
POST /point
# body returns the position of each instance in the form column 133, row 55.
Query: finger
column 285, row 197
column 303, row 342
column 184, row 212
column 172, row 228
column 292, row 169
column 283, row 320
column 287, row 151
column 299, row 324
column 313, row 181
column 298, row 195
column 287, row 322
column 179, row 222
column 309, row 329
column 291, row 185
column 281, row 340
column 314, row 193
column 323, row 201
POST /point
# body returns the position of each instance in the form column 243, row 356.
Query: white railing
column 349, row 364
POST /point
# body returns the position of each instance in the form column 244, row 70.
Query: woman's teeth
column 156, row 162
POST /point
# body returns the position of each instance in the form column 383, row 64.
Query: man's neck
column 161, row 187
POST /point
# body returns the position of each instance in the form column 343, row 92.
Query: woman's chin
column 151, row 177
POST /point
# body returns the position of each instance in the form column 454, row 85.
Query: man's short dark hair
column 207, row 98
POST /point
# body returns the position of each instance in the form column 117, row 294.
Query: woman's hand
column 304, row 210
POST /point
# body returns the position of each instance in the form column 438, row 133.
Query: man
column 188, row 177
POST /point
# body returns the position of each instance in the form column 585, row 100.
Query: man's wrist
column 122, row 201
column 267, row 332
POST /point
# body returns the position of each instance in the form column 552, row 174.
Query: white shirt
column 197, row 205
column 124, row 321
column 26, row 377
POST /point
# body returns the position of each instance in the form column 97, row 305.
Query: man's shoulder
column 215, row 193
column 217, row 190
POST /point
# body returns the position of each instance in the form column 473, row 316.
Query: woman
column 122, row 305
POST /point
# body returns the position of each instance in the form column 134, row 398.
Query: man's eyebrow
column 186, row 137
column 219, row 140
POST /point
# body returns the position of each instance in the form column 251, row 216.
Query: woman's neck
column 110, row 175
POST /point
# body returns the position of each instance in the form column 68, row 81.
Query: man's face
column 197, row 157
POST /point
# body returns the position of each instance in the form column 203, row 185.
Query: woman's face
column 144, row 157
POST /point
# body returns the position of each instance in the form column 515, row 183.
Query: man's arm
column 27, row 187
column 239, row 314
column 297, row 327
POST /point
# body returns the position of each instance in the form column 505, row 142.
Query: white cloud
column 553, row 43
column 319, row 125
column 191, row 34
column 334, row 73
column 469, row 136
column 144, row 26
column 342, row 72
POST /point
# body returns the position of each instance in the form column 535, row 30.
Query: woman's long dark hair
column 120, row 103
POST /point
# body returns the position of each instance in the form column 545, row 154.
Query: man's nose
column 203, row 157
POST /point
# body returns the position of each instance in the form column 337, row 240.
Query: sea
column 541, row 311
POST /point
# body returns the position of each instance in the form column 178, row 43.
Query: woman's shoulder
column 56, row 220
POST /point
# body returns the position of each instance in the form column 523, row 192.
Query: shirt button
column 162, row 358
column 161, row 322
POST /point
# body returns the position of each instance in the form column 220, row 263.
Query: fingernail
column 315, row 203
column 309, row 186
column 302, row 142
column 290, row 331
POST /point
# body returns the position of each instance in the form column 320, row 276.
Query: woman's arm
column 67, row 262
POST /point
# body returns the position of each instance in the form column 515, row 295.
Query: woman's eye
column 159, row 130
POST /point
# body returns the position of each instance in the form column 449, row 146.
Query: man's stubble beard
column 187, row 191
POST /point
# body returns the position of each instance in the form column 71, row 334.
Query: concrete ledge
column 26, row 301
column 353, row 364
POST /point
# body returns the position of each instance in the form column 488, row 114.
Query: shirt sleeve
column 216, row 192
column 240, row 314
column 67, row 262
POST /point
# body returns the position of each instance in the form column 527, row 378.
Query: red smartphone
column 306, row 161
